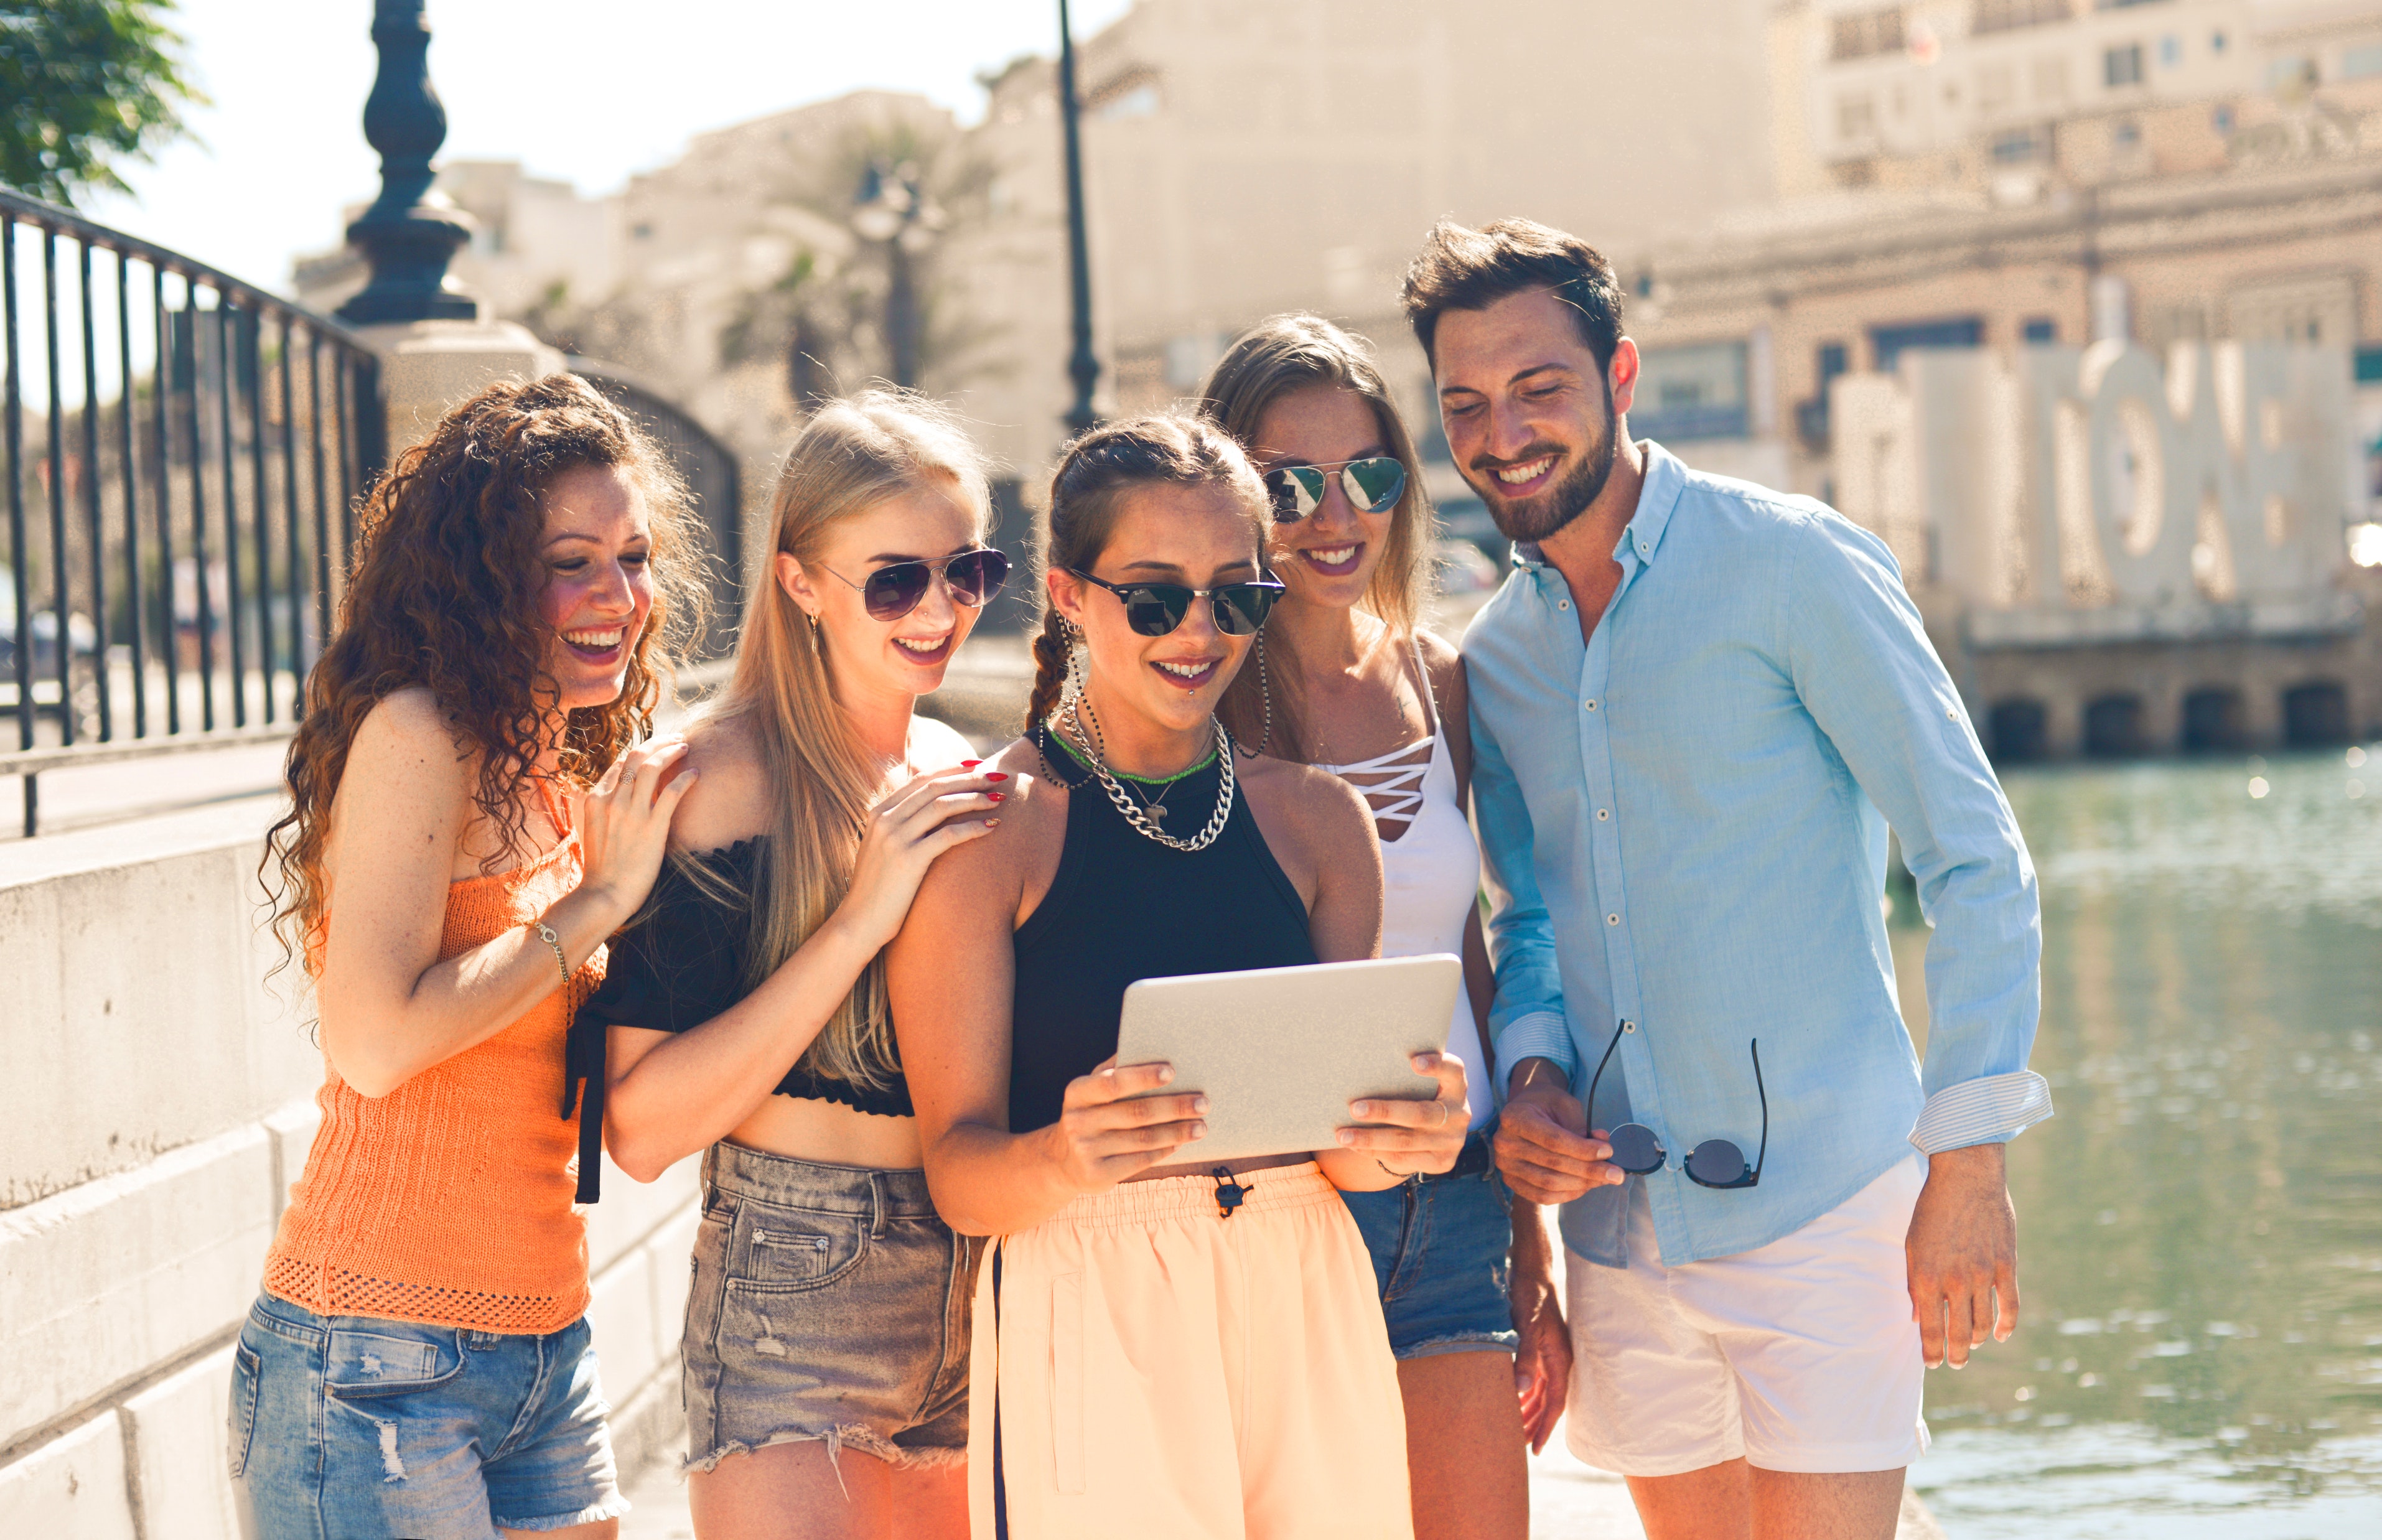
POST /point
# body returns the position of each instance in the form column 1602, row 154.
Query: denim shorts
column 350, row 1427
column 1440, row 1247
column 830, row 1304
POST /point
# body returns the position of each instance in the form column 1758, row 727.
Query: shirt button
column 1613, row 918
column 1629, row 1026
column 1950, row 715
column 1562, row 603
column 1589, row 704
column 1603, row 813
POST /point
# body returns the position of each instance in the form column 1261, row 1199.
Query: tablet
column 1281, row 1052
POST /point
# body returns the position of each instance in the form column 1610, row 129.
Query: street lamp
column 407, row 240
column 893, row 209
column 1083, row 364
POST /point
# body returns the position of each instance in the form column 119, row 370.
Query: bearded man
column 1697, row 706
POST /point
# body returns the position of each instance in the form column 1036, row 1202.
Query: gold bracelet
column 546, row 934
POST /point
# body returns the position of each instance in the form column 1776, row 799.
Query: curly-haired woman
column 469, row 823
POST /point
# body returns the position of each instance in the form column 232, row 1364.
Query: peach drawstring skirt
column 1144, row 1366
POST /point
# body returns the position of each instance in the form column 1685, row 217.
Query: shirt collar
column 1657, row 497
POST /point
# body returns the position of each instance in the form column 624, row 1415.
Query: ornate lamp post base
column 408, row 240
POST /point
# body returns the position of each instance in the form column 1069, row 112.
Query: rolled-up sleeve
column 1527, row 1018
column 1864, row 669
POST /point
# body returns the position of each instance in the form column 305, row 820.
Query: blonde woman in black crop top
column 826, row 1338
column 1160, row 1348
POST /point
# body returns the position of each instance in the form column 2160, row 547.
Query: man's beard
column 1534, row 519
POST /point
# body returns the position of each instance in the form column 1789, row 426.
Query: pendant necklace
column 1094, row 747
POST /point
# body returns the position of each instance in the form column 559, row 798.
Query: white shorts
column 1799, row 1355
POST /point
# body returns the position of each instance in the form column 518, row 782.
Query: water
column 2201, row 1226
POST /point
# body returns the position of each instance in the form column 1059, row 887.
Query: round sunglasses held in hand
column 1372, row 483
column 1715, row 1163
column 894, row 590
column 1155, row 609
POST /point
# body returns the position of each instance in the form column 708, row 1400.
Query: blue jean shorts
column 1440, row 1247
column 347, row 1428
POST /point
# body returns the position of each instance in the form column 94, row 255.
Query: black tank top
column 1124, row 908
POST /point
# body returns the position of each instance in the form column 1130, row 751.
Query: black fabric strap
column 582, row 1065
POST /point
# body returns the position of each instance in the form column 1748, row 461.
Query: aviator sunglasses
column 1372, row 485
column 1154, row 609
column 1714, row 1163
column 893, row 590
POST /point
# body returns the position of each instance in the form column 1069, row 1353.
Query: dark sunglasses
column 1154, row 609
column 1714, row 1163
column 893, row 590
column 1371, row 485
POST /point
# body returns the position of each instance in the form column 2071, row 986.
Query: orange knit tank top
column 448, row 1201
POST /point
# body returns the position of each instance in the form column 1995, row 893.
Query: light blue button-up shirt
column 1682, row 833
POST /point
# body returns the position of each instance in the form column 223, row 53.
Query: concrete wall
column 155, row 1104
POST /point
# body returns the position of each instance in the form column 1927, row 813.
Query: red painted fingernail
column 993, row 796
column 970, row 763
column 995, row 775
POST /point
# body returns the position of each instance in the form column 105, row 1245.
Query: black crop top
column 683, row 963
column 1124, row 908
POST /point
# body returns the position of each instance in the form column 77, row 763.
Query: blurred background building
column 1801, row 195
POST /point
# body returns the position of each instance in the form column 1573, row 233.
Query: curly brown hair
column 442, row 593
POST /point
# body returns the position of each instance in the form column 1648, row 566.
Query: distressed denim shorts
column 1440, row 1247
column 349, row 1427
column 829, row 1303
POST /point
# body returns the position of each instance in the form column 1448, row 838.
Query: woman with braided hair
column 1160, row 1348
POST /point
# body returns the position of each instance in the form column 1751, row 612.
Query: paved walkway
column 1568, row 1501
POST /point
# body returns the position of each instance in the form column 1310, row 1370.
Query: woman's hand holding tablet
column 1114, row 1126
column 1410, row 1137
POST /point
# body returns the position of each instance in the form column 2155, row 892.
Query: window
column 2369, row 365
column 2222, row 119
column 2021, row 146
column 2122, row 4
column 2007, row 16
column 2122, row 67
column 1691, row 392
column 2127, row 135
column 1834, row 358
column 1888, row 342
column 2292, row 70
column 1865, row 33
column 2170, row 51
column 2040, row 329
column 2358, row 63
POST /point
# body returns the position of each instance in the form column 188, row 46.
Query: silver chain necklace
column 1131, row 809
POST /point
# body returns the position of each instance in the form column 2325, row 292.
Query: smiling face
column 907, row 656
column 597, row 544
column 1328, row 557
column 1197, row 536
column 1532, row 422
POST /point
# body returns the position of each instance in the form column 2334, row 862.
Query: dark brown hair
column 443, row 595
column 1461, row 269
column 1098, row 468
column 1273, row 358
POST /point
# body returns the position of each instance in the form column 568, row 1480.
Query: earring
column 1265, row 691
column 812, row 619
column 1072, row 635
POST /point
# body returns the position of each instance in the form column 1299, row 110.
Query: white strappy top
column 1430, row 868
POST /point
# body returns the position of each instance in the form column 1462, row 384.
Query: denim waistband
column 1477, row 1158
column 808, row 1184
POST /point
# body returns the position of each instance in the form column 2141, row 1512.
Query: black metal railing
column 182, row 455
column 714, row 478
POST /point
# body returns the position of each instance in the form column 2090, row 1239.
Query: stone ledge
column 180, row 1470
column 73, row 1487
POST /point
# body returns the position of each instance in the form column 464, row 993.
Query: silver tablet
column 1281, row 1052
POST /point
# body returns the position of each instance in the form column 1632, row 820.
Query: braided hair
column 1098, row 470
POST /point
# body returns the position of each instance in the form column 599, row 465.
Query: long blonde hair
column 1273, row 358
column 851, row 457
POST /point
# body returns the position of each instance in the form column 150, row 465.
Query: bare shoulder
column 1445, row 663
column 1316, row 805
column 406, row 744
column 998, row 868
column 730, row 800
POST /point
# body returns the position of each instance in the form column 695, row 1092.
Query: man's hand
column 1963, row 1255
column 1542, row 1357
column 1544, row 1147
